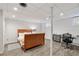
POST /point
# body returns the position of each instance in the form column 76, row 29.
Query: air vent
column 23, row 4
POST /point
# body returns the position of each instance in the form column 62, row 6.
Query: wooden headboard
column 24, row 30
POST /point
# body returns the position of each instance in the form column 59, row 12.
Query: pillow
column 27, row 32
column 34, row 32
column 21, row 34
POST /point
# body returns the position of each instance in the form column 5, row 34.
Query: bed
column 28, row 40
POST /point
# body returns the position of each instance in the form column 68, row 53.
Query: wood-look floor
column 58, row 50
column 36, row 51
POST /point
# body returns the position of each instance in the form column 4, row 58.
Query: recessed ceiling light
column 47, row 18
column 15, row 8
column 61, row 14
column 13, row 16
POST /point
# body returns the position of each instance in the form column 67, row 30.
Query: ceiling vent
column 23, row 4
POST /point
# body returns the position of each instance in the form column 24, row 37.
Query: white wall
column 1, row 31
column 46, row 26
column 48, row 31
column 66, row 25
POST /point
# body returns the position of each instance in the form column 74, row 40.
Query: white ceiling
column 37, row 11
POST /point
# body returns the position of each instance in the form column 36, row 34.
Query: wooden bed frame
column 32, row 40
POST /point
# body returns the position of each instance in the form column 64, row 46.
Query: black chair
column 67, row 39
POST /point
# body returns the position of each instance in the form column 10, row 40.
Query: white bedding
column 21, row 37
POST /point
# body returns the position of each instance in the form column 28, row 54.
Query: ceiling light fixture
column 15, row 9
column 47, row 18
column 61, row 14
column 13, row 16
